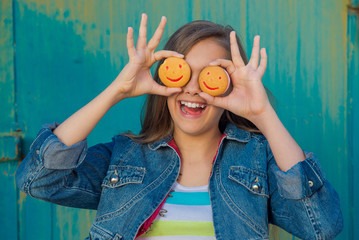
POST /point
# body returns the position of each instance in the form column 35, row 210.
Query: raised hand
column 136, row 78
column 248, row 97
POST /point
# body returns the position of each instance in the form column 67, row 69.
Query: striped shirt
column 185, row 215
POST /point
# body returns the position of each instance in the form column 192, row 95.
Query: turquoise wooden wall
column 55, row 56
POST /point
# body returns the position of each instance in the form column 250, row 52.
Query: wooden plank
column 353, row 118
column 8, row 201
column 70, row 223
column 7, row 84
column 35, row 218
column 306, row 48
column 9, row 148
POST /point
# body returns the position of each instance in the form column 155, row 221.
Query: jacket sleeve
column 302, row 201
column 69, row 176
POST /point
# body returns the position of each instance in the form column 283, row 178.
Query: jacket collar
column 160, row 143
column 234, row 133
column 231, row 132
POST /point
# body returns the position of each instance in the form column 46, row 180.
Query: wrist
column 265, row 119
column 111, row 95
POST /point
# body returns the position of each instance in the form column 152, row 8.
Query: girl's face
column 190, row 113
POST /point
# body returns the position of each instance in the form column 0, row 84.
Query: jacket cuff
column 302, row 180
column 54, row 154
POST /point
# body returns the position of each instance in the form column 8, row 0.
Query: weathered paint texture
column 55, row 56
column 353, row 118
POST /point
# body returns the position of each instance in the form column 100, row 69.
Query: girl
column 202, row 167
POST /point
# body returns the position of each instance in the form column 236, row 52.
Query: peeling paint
column 76, row 48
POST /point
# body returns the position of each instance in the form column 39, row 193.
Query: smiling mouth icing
column 192, row 107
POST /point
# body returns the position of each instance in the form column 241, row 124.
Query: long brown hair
column 156, row 121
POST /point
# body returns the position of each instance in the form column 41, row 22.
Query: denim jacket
column 247, row 189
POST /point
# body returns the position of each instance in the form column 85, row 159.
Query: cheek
column 216, row 113
column 171, row 104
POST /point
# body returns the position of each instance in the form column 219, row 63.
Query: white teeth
column 182, row 108
column 193, row 105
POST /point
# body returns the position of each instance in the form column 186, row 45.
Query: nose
column 192, row 87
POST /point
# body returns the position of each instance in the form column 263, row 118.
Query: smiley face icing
column 174, row 72
column 214, row 80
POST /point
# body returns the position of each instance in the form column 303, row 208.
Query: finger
column 263, row 64
column 142, row 36
column 165, row 91
column 165, row 54
column 130, row 45
column 155, row 40
column 253, row 62
column 235, row 53
column 225, row 63
column 215, row 101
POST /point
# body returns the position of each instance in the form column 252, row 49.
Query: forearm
column 79, row 125
column 285, row 149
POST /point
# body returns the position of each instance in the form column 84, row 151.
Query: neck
column 199, row 147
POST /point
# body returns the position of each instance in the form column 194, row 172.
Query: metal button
column 256, row 186
column 114, row 178
column 310, row 183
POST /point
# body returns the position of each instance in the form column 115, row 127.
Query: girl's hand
column 136, row 79
column 248, row 98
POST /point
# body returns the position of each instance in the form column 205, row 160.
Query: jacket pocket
column 121, row 175
column 97, row 233
column 254, row 181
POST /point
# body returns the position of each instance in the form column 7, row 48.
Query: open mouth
column 210, row 88
column 191, row 108
column 175, row 80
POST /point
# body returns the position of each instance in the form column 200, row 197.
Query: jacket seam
column 316, row 174
column 31, row 180
column 314, row 223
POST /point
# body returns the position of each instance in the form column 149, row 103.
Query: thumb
column 215, row 101
column 165, row 91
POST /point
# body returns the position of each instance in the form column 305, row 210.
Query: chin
column 195, row 130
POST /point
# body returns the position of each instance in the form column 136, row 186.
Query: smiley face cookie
column 174, row 72
column 214, row 80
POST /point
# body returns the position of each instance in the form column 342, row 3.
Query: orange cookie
column 214, row 80
column 174, row 72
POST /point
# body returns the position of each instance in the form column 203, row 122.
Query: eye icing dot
column 207, row 73
column 180, row 66
column 166, row 67
column 220, row 78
